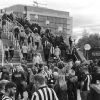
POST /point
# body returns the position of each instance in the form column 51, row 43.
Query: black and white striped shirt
column 4, row 97
column 44, row 93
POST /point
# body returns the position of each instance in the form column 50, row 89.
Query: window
column 42, row 18
column 52, row 25
column 51, row 19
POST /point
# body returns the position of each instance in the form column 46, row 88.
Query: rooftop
column 21, row 8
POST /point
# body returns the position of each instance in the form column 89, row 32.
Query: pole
column 87, row 54
column 2, row 54
column 25, row 9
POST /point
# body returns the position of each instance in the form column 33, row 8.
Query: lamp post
column 74, row 41
column 25, row 12
column 87, row 47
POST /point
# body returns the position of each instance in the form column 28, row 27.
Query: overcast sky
column 84, row 12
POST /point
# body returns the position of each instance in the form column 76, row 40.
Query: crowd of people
column 9, row 53
column 59, row 77
column 32, row 39
column 60, row 81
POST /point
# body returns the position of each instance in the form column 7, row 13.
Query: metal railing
column 31, row 34
column 10, row 24
column 23, row 27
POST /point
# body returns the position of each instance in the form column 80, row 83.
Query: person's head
column 77, row 63
column 4, row 69
column 55, row 69
column 40, row 68
column 22, row 30
column 46, row 68
column 70, row 63
column 2, row 85
column 47, row 31
column 24, row 65
column 5, row 76
column 61, row 65
column 35, row 30
column 55, row 75
column 39, row 80
column 19, row 68
column 37, row 65
column 11, row 46
column 23, row 62
column 10, row 89
column 56, row 46
column 29, row 70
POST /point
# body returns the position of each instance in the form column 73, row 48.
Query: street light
column 87, row 47
column 24, row 14
column 25, row 11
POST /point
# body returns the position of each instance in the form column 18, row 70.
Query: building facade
column 59, row 22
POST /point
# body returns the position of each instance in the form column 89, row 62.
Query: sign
column 47, row 22
column 94, row 53
column 87, row 47
column 36, row 16
column 60, row 29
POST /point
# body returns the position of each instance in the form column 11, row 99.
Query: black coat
column 61, row 94
column 94, row 93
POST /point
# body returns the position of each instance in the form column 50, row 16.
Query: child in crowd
column 11, row 52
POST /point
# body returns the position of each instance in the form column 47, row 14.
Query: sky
column 85, row 13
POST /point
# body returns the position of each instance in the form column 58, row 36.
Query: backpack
column 1, row 94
